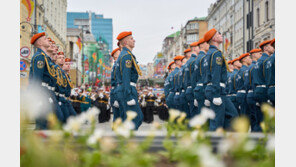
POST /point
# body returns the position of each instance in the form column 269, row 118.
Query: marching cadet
column 253, row 108
column 142, row 101
column 189, row 70
column 85, row 103
column 230, row 66
column 231, row 81
column 170, row 99
column 66, row 68
column 183, row 104
column 270, row 75
column 113, row 100
column 148, row 113
column 199, row 73
column 246, row 61
column 258, row 74
column 101, row 102
column 162, row 110
column 40, row 75
column 216, row 77
column 176, row 89
column 171, row 68
column 187, row 53
column 75, row 99
column 127, row 76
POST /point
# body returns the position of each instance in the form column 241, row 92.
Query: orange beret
column 67, row 60
column 243, row 56
column 115, row 50
column 194, row 44
column 123, row 35
column 234, row 60
column 49, row 39
column 183, row 58
column 255, row 50
column 61, row 53
column 187, row 50
column 171, row 63
column 229, row 62
column 36, row 36
column 272, row 41
column 200, row 41
column 264, row 43
column 209, row 35
column 179, row 57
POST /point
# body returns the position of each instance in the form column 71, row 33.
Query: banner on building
column 226, row 45
column 79, row 44
column 30, row 5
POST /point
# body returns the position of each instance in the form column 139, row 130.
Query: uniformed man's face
column 178, row 62
column 66, row 66
column 188, row 54
column 115, row 55
column 256, row 56
column 196, row 49
column 60, row 60
column 248, row 60
column 204, row 46
column 218, row 37
column 130, row 41
column 237, row 64
column 184, row 61
column 173, row 66
column 230, row 67
column 270, row 49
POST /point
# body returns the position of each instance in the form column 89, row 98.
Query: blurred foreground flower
column 98, row 133
column 270, row 146
column 241, row 125
column 208, row 159
column 131, row 115
column 173, row 114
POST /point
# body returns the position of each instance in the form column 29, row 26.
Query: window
column 258, row 17
column 266, row 11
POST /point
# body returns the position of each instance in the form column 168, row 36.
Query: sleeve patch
column 219, row 61
column 128, row 63
column 40, row 64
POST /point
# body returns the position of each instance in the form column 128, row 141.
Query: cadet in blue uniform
column 128, row 76
column 189, row 70
column 231, row 68
column 182, row 99
column 254, row 109
column 232, row 84
column 197, row 79
column 41, row 73
column 170, row 101
column 216, row 77
column 246, row 61
column 113, row 100
column 66, row 69
column 171, row 68
column 270, row 75
column 177, row 86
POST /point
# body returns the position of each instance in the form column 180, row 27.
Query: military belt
column 62, row 95
column 250, row 91
column 177, row 93
column 189, row 87
column 261, row 86
column 112, row 87
column 199, row 84
column 221, row 84
column 271, row 86
column 231, row 95
column 241, row 91
column 150, row 100
column 183, row 90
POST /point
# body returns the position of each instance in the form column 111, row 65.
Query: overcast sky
column 149, row 20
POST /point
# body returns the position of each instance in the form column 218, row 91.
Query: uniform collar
column 193, row 55
column 265, row 55
column 202, row 52
column 235, row 70
column 213, row 47
column 126, row 49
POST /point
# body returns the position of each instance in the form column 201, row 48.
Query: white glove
column 50, row 100
column 60, row 103
column 131, row 102
column 207, row 103
column 195, row 103
column 143, row 103
column 101, row 95
column 108, row 106
column 217, row 101
column 155, row 103
column 257, row 104
column 269, row 102
column 116, row 104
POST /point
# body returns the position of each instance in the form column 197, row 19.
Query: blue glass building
column 101, row 28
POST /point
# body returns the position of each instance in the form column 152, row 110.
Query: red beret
column 200, row 41
column 179, row 57
column 67, row 60
column 272, row 41
column 255, row 50
column 171, row 63
column 36, row 36
column 123, row 35
column 264, row 43
column 194, row 44
column 229, row 62
column 49, row 39
column 243, row 56
column 209, row 35
column 115, row 50
column 187, row 50
column 61, row 53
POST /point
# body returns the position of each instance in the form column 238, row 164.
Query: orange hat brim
column 209, row 35
column 36, row 36
column 123, row 35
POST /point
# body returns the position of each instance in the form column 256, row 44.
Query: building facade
column 100, row 27
column 195, row 29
